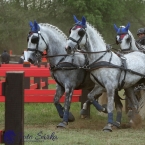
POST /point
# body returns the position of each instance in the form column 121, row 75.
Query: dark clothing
column 21, row 60
column 141, row 41
column 5, row 58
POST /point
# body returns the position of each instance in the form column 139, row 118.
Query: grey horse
column 105, row 66
column 128, row 44
column 65, row 69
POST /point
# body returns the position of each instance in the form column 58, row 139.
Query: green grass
column 40, row 120
column 52, row 86
column 44, row 118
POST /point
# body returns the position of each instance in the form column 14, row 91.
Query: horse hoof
column 105, row 107
column 62, row 125
column 71, row 118
column 84, row 113
column 116, row 125
column 107, row 128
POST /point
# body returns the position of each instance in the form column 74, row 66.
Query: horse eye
column 81, row 32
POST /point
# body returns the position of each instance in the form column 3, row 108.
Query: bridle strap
column 70, row 38
column 79, row 40
column 129, row 45
column 36, row 49
column 47, row 47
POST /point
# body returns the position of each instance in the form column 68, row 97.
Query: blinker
column 81, row 32
column 34, row 39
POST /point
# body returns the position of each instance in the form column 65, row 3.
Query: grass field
column 41, row 120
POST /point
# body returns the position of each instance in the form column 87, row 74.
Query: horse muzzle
column 68, row 49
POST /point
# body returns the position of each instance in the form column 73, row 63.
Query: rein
column 85, row 52
column 80, row 51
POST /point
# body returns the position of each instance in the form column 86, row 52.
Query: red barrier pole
column 10, row 52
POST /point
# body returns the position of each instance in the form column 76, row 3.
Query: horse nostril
column 69, row 48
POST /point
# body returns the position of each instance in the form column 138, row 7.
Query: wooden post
column 37, row 80
column 126, row 106
column 45, row 79
column 27, row 79
column 14, row 108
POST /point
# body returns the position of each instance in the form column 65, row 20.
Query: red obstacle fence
column 25, row 83
column 37, row 81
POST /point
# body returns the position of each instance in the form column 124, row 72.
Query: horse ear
column 30, row 24
column 84, row 21
column 115, row 27
column 127, row 26
column 75, row 19
column 36, row 25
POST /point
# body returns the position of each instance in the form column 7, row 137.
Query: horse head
column 124, row 36
column 78, row 36
column 36, row 43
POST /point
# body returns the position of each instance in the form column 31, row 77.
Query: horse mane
column 131, row 34
column 54, row 28
column 97, row 32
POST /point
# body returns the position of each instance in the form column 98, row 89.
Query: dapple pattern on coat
column 107, row 76
column 127, row 42
column 54, row 41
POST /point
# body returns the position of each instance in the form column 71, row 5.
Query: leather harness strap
column 102, row 64
column 120, row 85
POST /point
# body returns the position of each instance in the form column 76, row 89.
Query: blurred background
column 102, row 14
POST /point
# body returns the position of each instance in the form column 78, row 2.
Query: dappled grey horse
column 106, row 67
column 128, row 44
column 65, row 69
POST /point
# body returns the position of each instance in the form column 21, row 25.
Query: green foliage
column 15, row 15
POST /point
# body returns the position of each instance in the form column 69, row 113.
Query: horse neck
column 95, row 44
column 133, row 45
column 56, row 43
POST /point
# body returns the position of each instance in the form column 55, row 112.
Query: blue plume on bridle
column 122, row 30
column 34, row 27
column 80, row 23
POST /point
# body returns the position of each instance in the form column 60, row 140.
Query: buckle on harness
column 122, row 57
column 84, row 67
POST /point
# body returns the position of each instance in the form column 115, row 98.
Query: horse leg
column 85, row 111
column 118, row 106
column 96, row 91
column 59, row 92
column 102, row 101
column 133, row 114
column 68, row 97
column 110, row 108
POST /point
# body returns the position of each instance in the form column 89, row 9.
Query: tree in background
column 102, row 14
